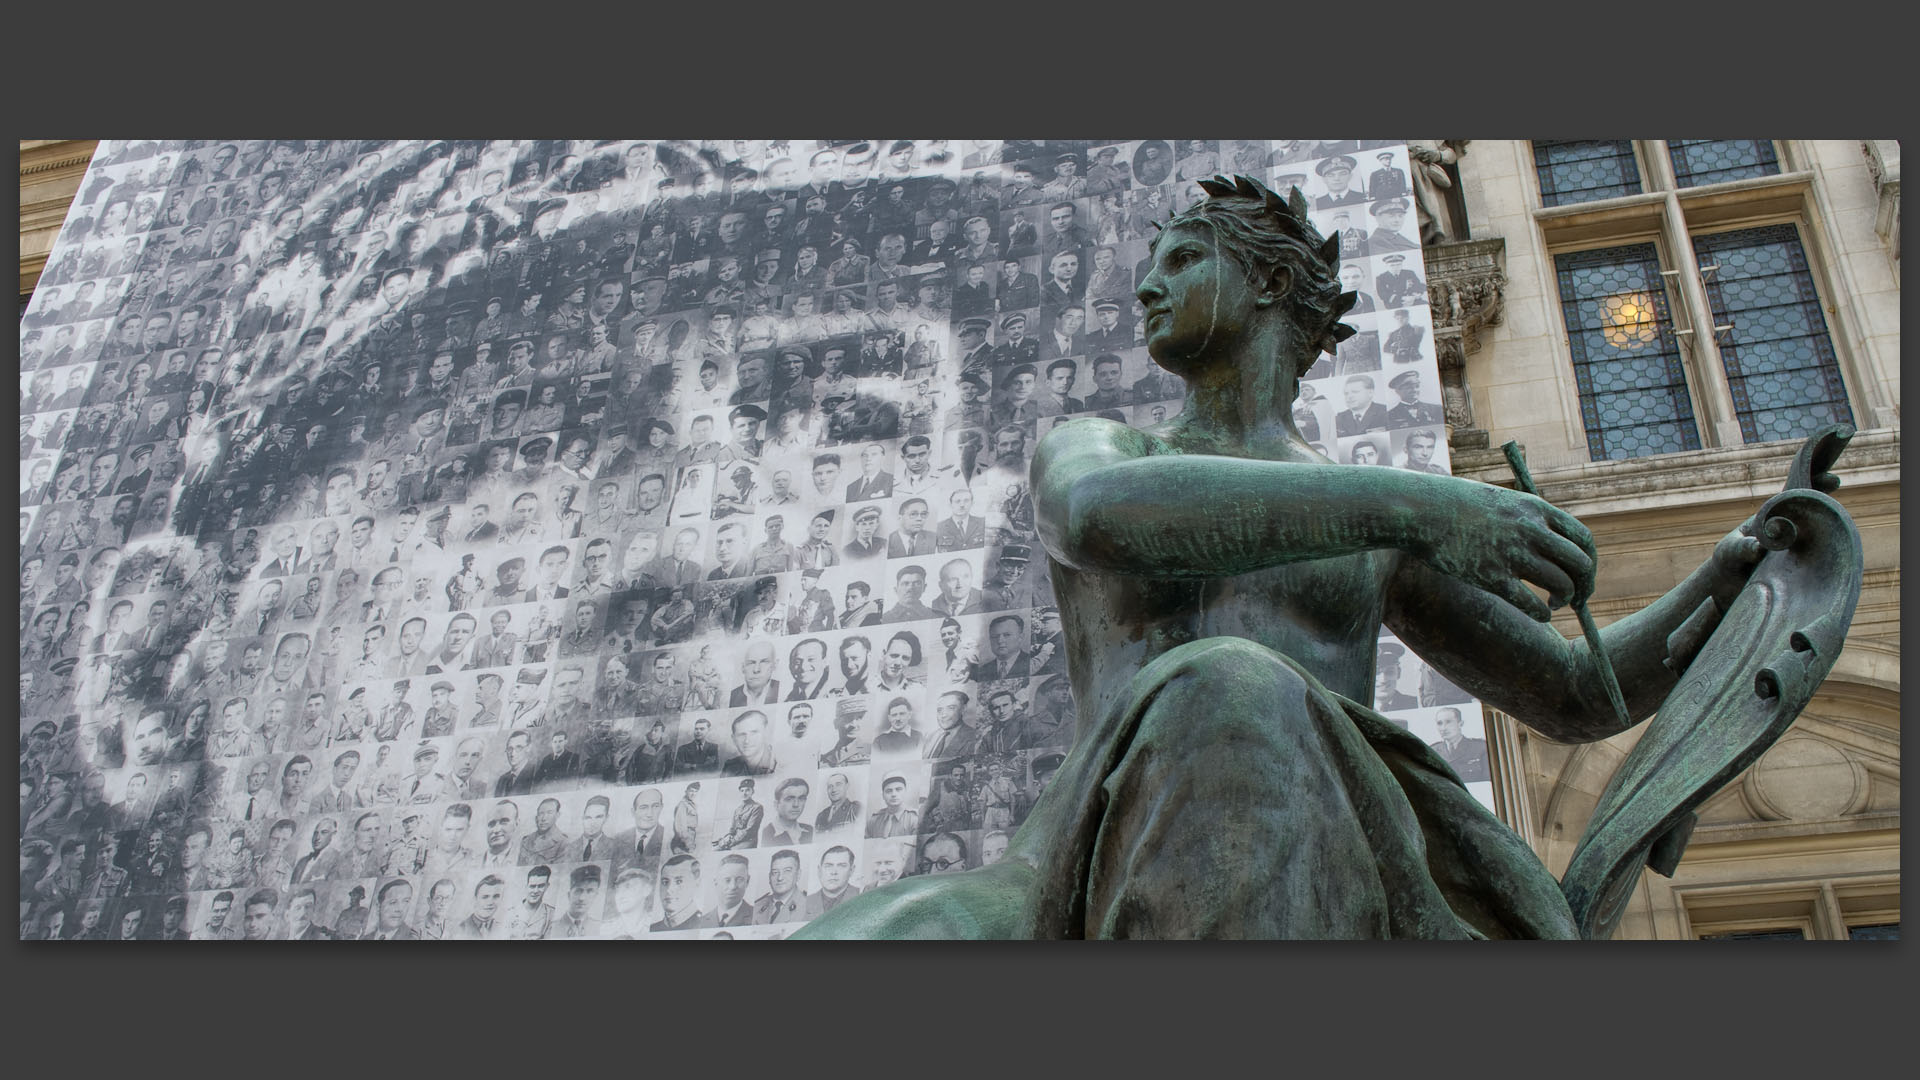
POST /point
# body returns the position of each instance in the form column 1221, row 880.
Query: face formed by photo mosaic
column 621, row 539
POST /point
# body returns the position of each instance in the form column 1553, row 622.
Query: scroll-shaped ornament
column 1742, row 688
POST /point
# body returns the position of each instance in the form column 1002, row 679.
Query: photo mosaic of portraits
column 623, row 539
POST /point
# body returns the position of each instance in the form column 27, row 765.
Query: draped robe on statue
column 1118, row 845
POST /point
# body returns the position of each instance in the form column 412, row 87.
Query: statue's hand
column 1733, row 560
column 1497, row 539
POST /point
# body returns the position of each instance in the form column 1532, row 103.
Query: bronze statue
column 1222, row 590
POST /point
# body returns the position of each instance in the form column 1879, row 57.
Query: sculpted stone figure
column 1222, row 587
column 1430, row 184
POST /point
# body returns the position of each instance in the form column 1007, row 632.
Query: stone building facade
column 1806, row 843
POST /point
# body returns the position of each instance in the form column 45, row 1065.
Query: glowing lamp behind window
column 1630, row 320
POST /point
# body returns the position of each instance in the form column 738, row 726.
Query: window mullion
column 1829, row 921
column 1656, row 165
column 1706, row 376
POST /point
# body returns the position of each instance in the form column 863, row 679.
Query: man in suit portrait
column 645, row 844
column 730, row 554
column 730, row 882
column 299, row 919
column 957, row 594
column 963, row 528
column 974, row 295
column 391, row 904
column 1057, row 399
column 912, row 537
column 560, row 765
column 1065, row 338
column 1006, row 638
column 501, row 827
column 517, row 777
column 286, row 550
column 1468, row 757
column 953, row 739
column 789, row 803
column 757, row 685
column 875, row 480
column 1353, row 279
column 1362, row 413
column 835, row 879
column 698, row 754
column 1064, row 287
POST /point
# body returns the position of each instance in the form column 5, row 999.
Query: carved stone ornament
column 1466, row 290
column 1883, row 161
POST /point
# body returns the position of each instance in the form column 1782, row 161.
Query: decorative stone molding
column 58, row 163
column 1883, row 161
column 50, row 175
column 1466, row 290
column 1690, row 478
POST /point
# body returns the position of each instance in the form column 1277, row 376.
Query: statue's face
column 1195, row 295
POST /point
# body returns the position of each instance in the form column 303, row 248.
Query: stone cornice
column 57, row 163
column 43, row 160
column 1690, row 478
column 50, row 175
column 1608, row 608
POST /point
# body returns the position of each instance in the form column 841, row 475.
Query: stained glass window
column 1626, row 360
column 1582, row 170
column 1780, row 361
column 1877, row 932
column 1710, row 161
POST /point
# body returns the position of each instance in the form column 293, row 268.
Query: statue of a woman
column 1222, row 588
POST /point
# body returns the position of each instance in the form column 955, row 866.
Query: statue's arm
column 1525, row 668
column 1105, row 501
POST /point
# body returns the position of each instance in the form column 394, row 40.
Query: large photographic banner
column 623, row 539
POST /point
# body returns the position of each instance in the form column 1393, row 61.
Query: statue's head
column 1276, row 246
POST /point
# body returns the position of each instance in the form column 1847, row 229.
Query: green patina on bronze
column 1221, row 590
